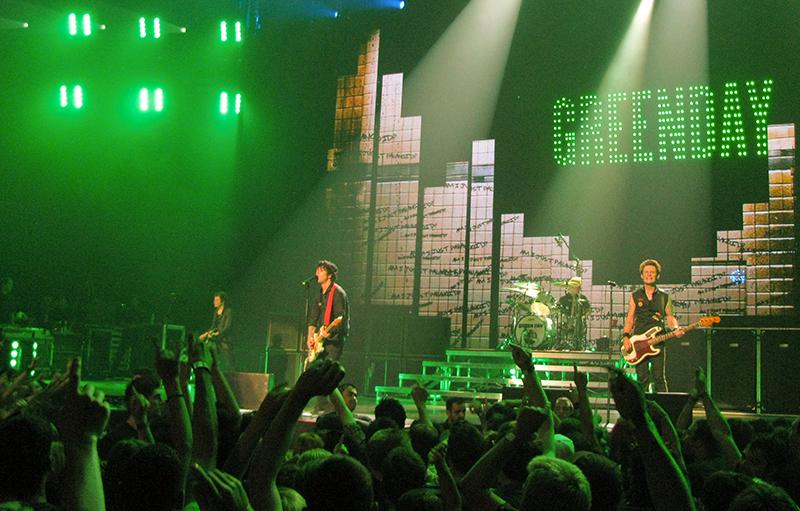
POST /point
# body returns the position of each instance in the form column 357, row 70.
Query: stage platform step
column 447, row 381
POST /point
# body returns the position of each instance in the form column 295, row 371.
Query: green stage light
column 157, row 28
column 73, row 23
column 238, row 31
column 13, row 363
column 77, row 96
column 142, row 28
column 158, row 100
column 144, row 100
column 15, row 345
column 87, row 25
column 223, row 31
column 64, row 98
column 223, row 103
column 14, row 353
column 238, row 104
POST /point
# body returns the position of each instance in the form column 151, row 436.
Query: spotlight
column 402, row 4
column 25, row 24
column 335, row 14
column 183, row 30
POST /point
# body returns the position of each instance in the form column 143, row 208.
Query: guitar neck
column 665, row 337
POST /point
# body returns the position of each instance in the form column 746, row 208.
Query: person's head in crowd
column 498, row 414
column 456, row 410
column 465, row 446
column 380, row 423
column 393, row 409
column 571, row 428
column 312, row 455
column 290, row 475
column 306, row 441
column 152, row 480
column 350, row 489
column 563, row 407
column 329, row 428
column 742, row 432
column 605, row 479
column 402, row 470
column 350, row 395
column 420, row 499
column 147, row 385
column 25, row 443
column 699, row 443
column 424, row 437
column 721, row 488
column 761, row 496
column 766, row 455
column 555, row 485
column 515, row 468
column 381, row 444
column 116, row 469
column 291, row 500
column 565, row 448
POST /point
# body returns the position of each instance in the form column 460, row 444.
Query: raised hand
column 628, row 396
column 201, row 353
column 218, row 491
column 319, row 379
column 529, row 420
column 580, row 378
column 167, row 365
column 522, row 359
column 419, row 394
column 139, row 406
column 437, row 456
column 85, row 414
column 700, row 384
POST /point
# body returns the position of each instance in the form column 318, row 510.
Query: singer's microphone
column 612, row 283
column 308, row 281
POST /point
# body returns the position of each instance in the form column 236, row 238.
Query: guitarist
column 649, row 307
column 220, row 331
column 331, row 303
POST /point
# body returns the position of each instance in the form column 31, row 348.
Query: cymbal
column 559, row 283
column 524, row 284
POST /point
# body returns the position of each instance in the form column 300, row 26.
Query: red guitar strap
column 329, row 306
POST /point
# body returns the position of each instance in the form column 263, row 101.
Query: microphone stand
column 611, row 286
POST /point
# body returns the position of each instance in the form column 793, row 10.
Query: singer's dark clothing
column 222, row 323
column 316, row 314
column 650, row 313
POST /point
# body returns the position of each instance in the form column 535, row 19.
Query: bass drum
column 535, row 332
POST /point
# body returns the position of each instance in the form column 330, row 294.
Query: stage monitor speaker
column 780, row 351
column 671, row 402
column 284, row 350
column 684, row 354
column 249, row 388
column 733, row 369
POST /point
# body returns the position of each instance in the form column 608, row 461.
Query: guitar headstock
column 709, row 320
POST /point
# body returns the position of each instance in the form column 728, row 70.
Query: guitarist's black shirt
column 316, row 314
column 649, row 313
column 222, row 323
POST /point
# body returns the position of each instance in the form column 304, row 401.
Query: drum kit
column 539, row 322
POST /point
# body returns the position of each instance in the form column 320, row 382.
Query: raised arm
column 204, row 418
column 533, row 387
column 719, row 426
column 319, row 379
column 225, row 396
column 669, row 490
column 581, row 380
column 420, row 396
column 180, row 426
column 82, row 420
column 239, row 458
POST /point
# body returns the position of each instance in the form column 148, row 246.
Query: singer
column 331, row 303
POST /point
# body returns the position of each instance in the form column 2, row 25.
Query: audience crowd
column 174, row 450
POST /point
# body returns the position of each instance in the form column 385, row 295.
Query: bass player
column 649, row 307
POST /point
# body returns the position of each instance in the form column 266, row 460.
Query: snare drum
column 535, row 332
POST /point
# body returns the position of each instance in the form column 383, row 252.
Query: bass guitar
column 315, row 347
column 644, row 345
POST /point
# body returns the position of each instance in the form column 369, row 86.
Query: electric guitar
column 315, row 347
column 644, row 345
column 209, row 335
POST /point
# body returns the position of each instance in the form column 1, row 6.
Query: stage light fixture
column 143, row 28
column 76, row 97
column 144, row 100
column 158, row 100
column 224, row 28
column 157, row 28
column 224, row 103
column 85, row 24
column 72, row 21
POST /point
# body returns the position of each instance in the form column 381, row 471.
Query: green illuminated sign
column 662, row 125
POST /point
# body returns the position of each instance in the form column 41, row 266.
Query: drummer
column 574, row 303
